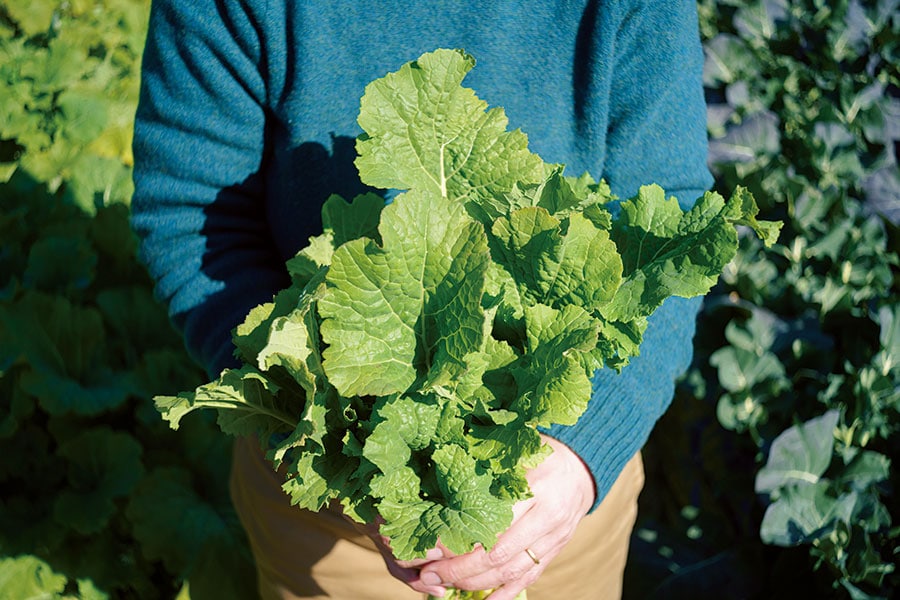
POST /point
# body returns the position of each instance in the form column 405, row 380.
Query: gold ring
column 532, row 556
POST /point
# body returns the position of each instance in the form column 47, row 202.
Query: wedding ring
column 532, row 556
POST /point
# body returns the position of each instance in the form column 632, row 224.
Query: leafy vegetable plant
column 96, row 489
column 405, row 372
column 799, row 342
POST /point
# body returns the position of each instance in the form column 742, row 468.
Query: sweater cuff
column 624, row 407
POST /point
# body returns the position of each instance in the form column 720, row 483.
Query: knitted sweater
column 247, row 117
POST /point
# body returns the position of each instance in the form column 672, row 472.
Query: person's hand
column 406, row 571
column 563, row 491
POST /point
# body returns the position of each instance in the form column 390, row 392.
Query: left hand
column 563, row 492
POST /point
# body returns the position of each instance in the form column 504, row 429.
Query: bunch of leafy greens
column 406, row 371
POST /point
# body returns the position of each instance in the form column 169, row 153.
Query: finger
column 408, row 575
column 431, row 555
column 522, row 571
column 503, row 563
column 509, row 592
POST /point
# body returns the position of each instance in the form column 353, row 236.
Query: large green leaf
column 804, row 513
column 248, row 404
column 103, row 466
column 668, row 252
column 410, row 308
column 466, row 515
column 800, row 455
column 557, row 262
column 448, row 144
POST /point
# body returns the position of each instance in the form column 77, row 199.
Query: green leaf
column 740, row 369
column 755, row 137
column 34, row 16
column 888, row 358
column 317, row 477
column 27, row 577
column 727, row 59
column 176, row 523
column 424, row 131
column 310, row 260
column 759, row 20
column 251, row 336
column 557, row 262
column 60, row 263
column 103, row 466
column 799, row 455
column 409, row 309
column 403, row 425
column 466, row 515
column 866, row 468
column 64, row 347
column 247, row 404
column 667, row 252
column 804, row 513
column 83, row 113
column 293, row 343
column 353, row 220
column 553, row 384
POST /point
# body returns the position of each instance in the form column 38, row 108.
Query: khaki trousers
column 300, row 554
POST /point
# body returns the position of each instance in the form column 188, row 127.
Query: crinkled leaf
column 553, row 385
column 668, row 252
column 402, row 425
column 506, row 445
column 246, row 401
column 409, row 309
column 424, row 131
column 321, row 476
column 293, row 343
column 557, row 262
column 251, row 336
column 466, row 515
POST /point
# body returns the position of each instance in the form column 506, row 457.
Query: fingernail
column 434, row 554
column 430, row 578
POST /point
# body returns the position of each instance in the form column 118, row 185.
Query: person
column 245, row 124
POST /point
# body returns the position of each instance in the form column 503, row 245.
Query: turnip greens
column 405, row 372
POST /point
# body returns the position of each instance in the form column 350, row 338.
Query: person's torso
column 543, row 62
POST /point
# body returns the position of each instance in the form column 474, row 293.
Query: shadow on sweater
column 251, row 229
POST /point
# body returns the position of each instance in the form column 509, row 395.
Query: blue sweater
column 247, row 117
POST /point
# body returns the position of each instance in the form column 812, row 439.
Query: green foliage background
column 771, row 475
column 100, row 499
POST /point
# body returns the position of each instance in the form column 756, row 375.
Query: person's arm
column 656, row 133
column 199, row 145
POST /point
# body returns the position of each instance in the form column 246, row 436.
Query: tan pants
column 300, row 554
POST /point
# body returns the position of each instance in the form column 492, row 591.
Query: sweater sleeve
column 198, row 206
column 656, row 134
